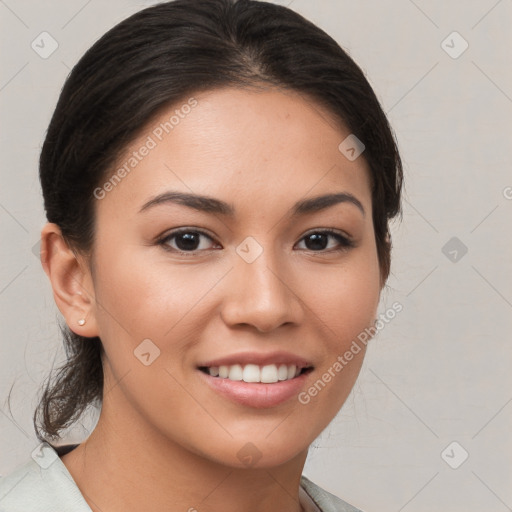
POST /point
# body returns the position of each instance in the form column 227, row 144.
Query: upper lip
column 258, row 358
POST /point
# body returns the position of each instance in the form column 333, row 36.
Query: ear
column 71, row 281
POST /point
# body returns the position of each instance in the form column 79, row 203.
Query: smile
column 267, row 374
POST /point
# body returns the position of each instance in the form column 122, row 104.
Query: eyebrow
column 211, row 205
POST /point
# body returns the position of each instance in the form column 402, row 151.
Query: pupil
column 187, row 241
column 319, row 241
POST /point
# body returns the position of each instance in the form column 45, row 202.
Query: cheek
column 132, row 291
column 344, row 307
column 148, row 316
column 141, row 297
column 345, row 300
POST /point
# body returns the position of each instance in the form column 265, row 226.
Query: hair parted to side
column 157, row 58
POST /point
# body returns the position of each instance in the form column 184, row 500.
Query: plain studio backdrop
column 427, row 426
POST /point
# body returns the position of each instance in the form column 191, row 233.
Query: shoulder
column 41, row 484
column 325, row 501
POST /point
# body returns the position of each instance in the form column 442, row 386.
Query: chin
column 260, row 452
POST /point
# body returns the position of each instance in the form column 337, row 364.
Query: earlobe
column 71, row 281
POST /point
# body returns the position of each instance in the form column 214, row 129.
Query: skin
column 165, row 440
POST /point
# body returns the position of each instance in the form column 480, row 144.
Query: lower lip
column 257, row 394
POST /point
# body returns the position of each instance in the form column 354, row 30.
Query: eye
column 187, row 240
column 319, row 241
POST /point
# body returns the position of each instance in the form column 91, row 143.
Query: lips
column 255, row 379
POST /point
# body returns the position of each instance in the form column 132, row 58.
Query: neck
column 122, row 468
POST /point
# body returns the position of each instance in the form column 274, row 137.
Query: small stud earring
column 81, row 321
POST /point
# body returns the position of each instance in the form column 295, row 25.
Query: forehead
column 245, row 146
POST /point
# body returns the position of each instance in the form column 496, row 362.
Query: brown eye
column 320, row 241
column 187, row 240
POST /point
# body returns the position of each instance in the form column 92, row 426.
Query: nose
column 261, row 294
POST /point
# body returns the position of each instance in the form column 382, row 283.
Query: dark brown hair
column 153, row 60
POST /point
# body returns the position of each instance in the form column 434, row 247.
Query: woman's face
column 211, row 255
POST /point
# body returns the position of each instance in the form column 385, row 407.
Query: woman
column 218, row 178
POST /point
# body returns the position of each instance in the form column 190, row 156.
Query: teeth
column 253, row 373
column 235, row 372
column 282, row 372
column 269, row 373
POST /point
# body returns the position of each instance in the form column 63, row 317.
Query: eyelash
column 344, row 242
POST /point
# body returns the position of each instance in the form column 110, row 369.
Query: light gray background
column 440, row 371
